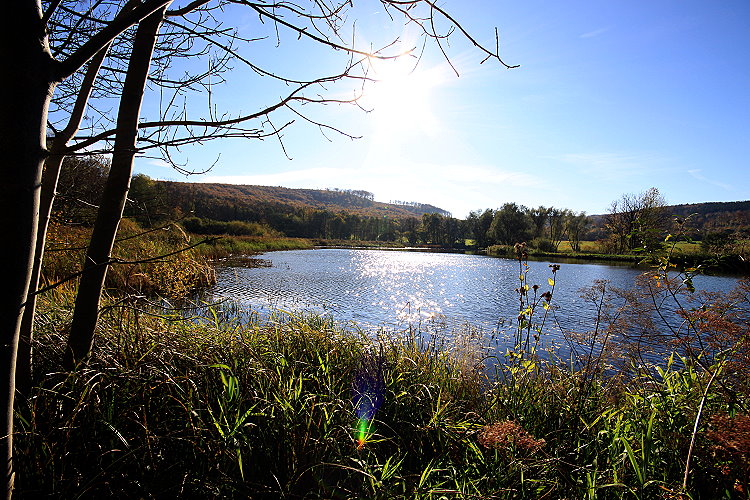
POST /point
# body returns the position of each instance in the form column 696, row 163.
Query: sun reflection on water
column 416, row 289
column 399, row 290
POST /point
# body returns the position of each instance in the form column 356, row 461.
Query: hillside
column 709, row 217
column 703, row 218
column 247, row 202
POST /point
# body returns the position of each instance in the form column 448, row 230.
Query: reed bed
column 210, row 405
column 213, row 402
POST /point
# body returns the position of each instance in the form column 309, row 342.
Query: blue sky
column 611, row 97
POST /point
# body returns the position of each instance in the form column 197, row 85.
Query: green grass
column 358, row 243
column 238, row 246
column 586, row 246
column 213, row 406
column 213, row 403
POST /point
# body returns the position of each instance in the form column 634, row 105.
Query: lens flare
column 368, row 392
column 363, row 430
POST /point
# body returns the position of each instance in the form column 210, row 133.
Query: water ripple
column 389, row 288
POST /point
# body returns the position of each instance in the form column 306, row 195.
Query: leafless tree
column 86, row 52
column 636, row 220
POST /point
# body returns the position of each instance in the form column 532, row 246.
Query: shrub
column 543, row 245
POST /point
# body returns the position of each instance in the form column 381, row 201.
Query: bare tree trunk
column 86, row 313
column 24, row 366
column 25, row 88
column 24, row 361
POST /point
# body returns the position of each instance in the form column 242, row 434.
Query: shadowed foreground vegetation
column 211, row 402
column 165, row 261
column 214, row 404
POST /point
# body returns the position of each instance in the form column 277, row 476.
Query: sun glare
column 400, row 97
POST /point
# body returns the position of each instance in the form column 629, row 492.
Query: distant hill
column 297, row 211
column 716, row 216
column 247, row 202
column 703, row 218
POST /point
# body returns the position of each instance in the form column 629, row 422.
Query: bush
column 543, row 245
column 197, row 225
column 717, row 243
column 501, row 250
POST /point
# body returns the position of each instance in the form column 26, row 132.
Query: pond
column 397, row 290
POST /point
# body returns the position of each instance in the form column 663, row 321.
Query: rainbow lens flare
column 368, row 393
column 363, row 431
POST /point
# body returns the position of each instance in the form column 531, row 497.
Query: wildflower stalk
column 704, row 396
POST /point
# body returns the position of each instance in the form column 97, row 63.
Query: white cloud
column 613, row 166
column 312, row 177
column 696, row 174
column 595, row 33
column 156, row 162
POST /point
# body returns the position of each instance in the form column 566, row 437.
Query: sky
column 610, row 97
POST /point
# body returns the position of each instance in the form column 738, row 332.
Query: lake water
column 423, row 290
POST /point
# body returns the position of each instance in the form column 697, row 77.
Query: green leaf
column 633, row 460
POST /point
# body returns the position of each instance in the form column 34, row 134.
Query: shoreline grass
column 730, row 264
column 223, row 247
column 216, row 407
column 218, row 404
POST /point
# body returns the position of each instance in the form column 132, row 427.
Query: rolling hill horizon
column 356, row 200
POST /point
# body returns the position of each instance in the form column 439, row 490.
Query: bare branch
column 84, row 94
column 105, row 36
column 302, row 32
column 195, row 4
column 493, row 55
column 50, row 11
column 222, row 124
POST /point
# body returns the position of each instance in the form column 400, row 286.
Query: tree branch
column 104, row 37
column 216, row 123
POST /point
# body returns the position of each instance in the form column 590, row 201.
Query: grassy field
column 586, row 246
column 593, row 247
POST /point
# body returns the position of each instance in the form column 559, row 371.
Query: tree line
column 151, row 203
column 633, row 222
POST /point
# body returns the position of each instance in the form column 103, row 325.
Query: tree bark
column 25, row 88
column 86, row 313
column 24, row 366
column 24, row 358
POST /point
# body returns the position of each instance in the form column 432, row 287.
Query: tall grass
column 144, row 262
column 219, row 405
column 212, row 407
column 237, row 246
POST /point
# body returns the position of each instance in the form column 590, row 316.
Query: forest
column 633, row 221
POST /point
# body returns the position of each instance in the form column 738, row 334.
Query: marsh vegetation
column 218, row 404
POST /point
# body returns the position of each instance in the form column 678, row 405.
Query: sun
column 400, row 97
